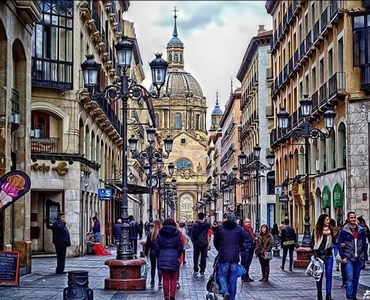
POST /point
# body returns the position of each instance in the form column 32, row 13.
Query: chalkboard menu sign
column 9, row 267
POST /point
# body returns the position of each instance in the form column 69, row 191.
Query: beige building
column 181, row 113
column 16, row 28
column 317, row 51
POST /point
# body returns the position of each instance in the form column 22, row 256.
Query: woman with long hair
column 322, row 246
column 150, row 239
column 168, row 249
column 264, row 244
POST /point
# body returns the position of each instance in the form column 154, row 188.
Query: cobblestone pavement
column 43, row 284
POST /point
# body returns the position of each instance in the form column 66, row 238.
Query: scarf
column 250, row 231
column 318, row 240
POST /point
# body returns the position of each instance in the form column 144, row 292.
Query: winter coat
column 264, row 243
column 60, row 234
column 288, row 236
column 168, row 248
column 228, row 241
column 199, row 233
column 249, row 243
column 346, row 237
column 149, row 245
column 117, row 232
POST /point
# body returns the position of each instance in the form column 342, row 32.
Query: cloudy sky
column 215, row 35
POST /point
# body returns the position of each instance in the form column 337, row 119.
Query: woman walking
column 322, row 240
column 288, row 238
column 150, row 240
column 264, row 245
column 168, row 249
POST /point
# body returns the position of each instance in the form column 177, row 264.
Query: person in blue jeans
column 228, row 241
column 322, row 246
column 352, row 247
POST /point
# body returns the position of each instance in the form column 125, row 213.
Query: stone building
column 255, row 77
column 318, row 50
column 16, row 27
column 181, row 113
column 76, row 140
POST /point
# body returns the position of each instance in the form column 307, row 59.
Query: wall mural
column 186, row 207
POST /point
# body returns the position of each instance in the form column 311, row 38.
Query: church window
column 197, row 122
column 181, row 57
column 178, row 121
column 157, row 119
column 176, row 57
column 183, row 164
column 183, row 141
column 170, row 57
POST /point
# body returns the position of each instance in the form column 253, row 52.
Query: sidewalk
column 43, row 284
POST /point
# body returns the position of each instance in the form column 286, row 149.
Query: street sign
column 105, row 194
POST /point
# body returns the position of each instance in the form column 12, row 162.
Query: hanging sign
column 105, row 194
column 13, row 185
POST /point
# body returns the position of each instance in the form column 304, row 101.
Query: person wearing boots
column 265, row 241
column 288, row 238
column 248, row 247
column 321, row 244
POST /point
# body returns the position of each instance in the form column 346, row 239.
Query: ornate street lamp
column 306, row 131
column 122, row 89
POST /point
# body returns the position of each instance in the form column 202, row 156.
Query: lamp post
column 306, row 131
column 122, row 89
column 257, row 166
column 151, row 156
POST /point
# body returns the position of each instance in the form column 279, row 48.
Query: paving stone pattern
column 43, row 284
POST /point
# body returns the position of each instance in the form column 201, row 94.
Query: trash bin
column 78, row 286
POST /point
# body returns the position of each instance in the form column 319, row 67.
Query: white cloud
column 215, row 36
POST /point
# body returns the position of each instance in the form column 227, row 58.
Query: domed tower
column 181, row 112
column 216, row 115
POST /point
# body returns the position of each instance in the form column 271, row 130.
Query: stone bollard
column 78, row 286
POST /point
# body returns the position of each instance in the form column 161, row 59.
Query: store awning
column 338, row 196
column 132, row 188
column 326, row 197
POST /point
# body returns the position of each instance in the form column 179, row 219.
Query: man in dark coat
column 199, row 233
column 61, row 240
column 117, row 232
column 248, row 245
column 134, row 232
column 228, row 241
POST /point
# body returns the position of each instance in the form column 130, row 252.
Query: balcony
column 45, row 145
column 324, row 21
column 315, row 102
column 337, row 85
column 336, row 11
column 365, row 79
column 323, row 96
column 308, row 42
column 302, row 51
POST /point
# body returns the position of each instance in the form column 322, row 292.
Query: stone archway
column 186, row 207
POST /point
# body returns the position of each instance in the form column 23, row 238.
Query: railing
column 301, row 50
column 110, row 113
column 315, row 101
column 337, row 84
column 308, row 40
column 45, row 145
column 316, row 31
column 323, row 95
column 324, row 19
column 365, row 78
column 296, row 57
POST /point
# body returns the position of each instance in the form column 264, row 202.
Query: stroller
column 213, row 285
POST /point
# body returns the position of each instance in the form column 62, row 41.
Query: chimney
column 261, row 28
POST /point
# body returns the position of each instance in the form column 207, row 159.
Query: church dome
column 180, row 83
column 217, row 111
column 175, row 41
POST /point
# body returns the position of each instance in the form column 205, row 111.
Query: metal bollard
column 78, row 286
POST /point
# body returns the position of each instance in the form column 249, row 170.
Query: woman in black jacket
column 150, row 240
column 168, row 249
column 288, row 238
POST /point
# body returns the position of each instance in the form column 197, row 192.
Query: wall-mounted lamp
column 35, row 133
column 14, row 119
column 70, row 161
column 34, row 158
column 52, row 160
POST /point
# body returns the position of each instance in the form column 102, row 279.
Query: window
column 361, row 39
column 183, row 164
column 322, row 71
column 330, row 62
column 41, row 121
column 178, row 121
column 52, row 46
column 313, row 80
column 197, row 122
column 340, row 55
column 183, row 141
column 157, row 119
column 176, row 56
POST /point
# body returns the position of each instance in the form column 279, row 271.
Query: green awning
column 326, row 197
column 338, row 196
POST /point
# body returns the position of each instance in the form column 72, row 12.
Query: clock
column 183, row 164
column 152, row 182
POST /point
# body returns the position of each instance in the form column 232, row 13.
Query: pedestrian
column 117, row 232
column 275, row 230
column 183, row 230
column 147, row 228
column 96, row 229
column 335, row 228
column 134, row 232
column 182, row 257
column 228, row 241
column 199, row 237
column 61, row 240
column 168, row 249
column 249, row 245
column 141, row 229
column 352, row 247
column 288, row 239
column 321, row 244
column 264, row 244
column 361, row 221
column 150, row 251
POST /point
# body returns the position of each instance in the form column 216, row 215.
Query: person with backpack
column 199, row 234
column 134, row 232
column 288, row 239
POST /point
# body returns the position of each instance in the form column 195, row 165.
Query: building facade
column 255, row 77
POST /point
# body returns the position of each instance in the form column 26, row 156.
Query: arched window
column 178, row 121
column 170, row 57
column 176, row 57
column 157, row 120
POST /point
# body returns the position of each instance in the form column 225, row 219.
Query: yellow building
column 317, row 51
